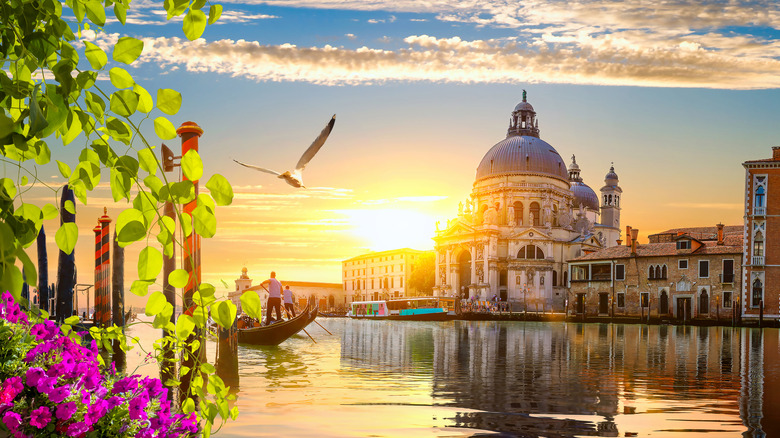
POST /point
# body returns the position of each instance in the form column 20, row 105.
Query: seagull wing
column 272, row 172
column 316, row 145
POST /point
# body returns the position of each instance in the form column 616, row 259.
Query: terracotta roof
column 763, row 160
column 704, row 232
column 732, row 244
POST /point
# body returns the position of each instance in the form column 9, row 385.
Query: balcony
column 759, row 211
column 727, row 278
column 758, row 261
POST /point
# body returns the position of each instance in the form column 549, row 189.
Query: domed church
column 527, row 215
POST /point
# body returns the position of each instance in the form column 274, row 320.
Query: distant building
column 379, row 275
column 527, row 216
column 681, row 274
column 761, row 279
column 329, row 296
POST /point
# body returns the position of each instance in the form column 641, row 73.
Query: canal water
column 491, row 378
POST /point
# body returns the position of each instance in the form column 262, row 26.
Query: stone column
column 448, row 260
column 474, row 279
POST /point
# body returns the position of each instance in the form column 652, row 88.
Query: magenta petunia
column 40, row 417
column 59, row 394
column 137, row 406
column 12, row 420
column 10, row 389
column 77, row 429
column 66, row 410
column 34, row 375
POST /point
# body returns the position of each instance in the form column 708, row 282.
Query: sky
column 677, row 94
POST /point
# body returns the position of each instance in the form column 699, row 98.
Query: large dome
column 584, row 195
column 523, row 155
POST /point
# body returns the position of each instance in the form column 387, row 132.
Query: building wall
column 766, row 220
column 378, row 275
column 678, row 284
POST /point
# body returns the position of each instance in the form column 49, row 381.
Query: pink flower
column 40, row 417
column 12, row 420
column 66, row 410
column 34, row 375
column 59, row 394
column 77, row 429
column 10, row 389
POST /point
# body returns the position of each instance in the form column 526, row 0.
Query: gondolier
column 274, row 298
column 288, row 301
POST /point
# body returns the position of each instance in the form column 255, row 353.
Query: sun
column 385, row 229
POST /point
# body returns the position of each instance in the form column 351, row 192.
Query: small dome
column 522, row 155
column 524, row 106
column 611, row 175
column 584, row 195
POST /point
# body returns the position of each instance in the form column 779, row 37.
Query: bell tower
column 523, row 121
column 610, row 200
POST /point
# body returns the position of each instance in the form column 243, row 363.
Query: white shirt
column 288, row 296
column 274, row 288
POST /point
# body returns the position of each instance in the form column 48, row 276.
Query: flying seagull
column 295, row 177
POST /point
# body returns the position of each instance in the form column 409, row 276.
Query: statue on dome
column 524, row 95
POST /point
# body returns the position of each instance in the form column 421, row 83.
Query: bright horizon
column 677, row 97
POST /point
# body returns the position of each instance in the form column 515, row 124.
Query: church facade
column 528, row 214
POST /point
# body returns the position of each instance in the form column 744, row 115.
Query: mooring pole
column 102, row 273
column 190, row 132
column 43, row 272
column 66, row 266
column 168, row 368
column 118, row 301
column 98, row 260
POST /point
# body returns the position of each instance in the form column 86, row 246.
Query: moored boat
column 278, row 332
column 409, row 309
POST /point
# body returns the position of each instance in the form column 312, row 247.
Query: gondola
column 277, row 333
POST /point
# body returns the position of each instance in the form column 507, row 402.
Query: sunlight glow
column 390, row 229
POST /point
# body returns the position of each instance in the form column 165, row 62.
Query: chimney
column 628, row 235
column 634, row 235
column 776, row 153
column 619, row 242
column 720, row 234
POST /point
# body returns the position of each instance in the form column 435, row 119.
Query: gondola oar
column 323, row 327
column 286, row 311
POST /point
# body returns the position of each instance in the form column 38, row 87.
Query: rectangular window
column 704, row 268
column 683, row 244
column 758, row 248
column 372, row 283
column 621, row 299
column 620, row 272
column 392, row 282
column 682, row 264
column 727, row 299
column 600, row 271
column 728, row 271
column 401, row 282
column 372, row 271
column 392, row 268
column 645, row 298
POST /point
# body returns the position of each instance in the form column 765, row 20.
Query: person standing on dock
column 288, row 301
column 274, row 298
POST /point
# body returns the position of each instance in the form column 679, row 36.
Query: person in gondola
column 288, row 302
column 274, row 298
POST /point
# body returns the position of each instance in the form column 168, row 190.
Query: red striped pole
column 104, row 309
column 98, row 260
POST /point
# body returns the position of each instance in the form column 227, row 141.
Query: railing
column 727, row 278
column 758, row 260
column 759, row 211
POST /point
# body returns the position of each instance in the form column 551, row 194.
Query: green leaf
column 86, row 79
column 154, row 183
column 11, row 280
column 225, row 314
column 183, row 191
column 178, row 278
column 220, row 189
column 95, row 55
column 150, row 263
column 119, row 130
column 168, row 101
column 64, row 169
column 69, row 207
column 164, row 128
column 191, row 165
column 155, row 304
column 207, row 368
column 120, row 12
column 207, row 289
column 215, row 11
column 130, row 227
column 188, row 406
column 205, row 221
column 66, row 237
column 194, row 24
column 140, row 287
column 127, row 50
column 7, row 189
column 120, row 78
column 50, row 212
column 145, row 102
column 250, row 303
column 124, row 102
column 74, row 128
column 37, row 119
column 96, row 12
column 121, row 183
column 184, row 327
column 30, row 274
column 95, row 104
column 147, row 160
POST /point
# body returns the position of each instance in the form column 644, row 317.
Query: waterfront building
column 761, row 279
column 526, row 217
column 681, row 274
column 328, row 296
column 379, row 275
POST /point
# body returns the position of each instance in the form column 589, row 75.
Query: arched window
column 758, row 244
column 541, row 280
column 518, row 206
column 658, row 272
column 617, row 201
column 758, row 293
column 704, row 302
column 535, row 212
column 609, row 197
column 530, row 252
column 759, row 197
column 663, row 271
column 605, row 199
column 651, row 273
column 555, row 278
column 565, row 278
column 555, row 215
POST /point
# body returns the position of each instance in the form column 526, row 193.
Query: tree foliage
column 422, row 278
column 50, row 98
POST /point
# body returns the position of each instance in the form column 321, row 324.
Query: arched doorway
column 664, row 303
column 464, row 267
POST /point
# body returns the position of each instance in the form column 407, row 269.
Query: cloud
column 627, row 57
column 350, row 36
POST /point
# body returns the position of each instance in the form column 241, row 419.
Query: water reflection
column 530, row 379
